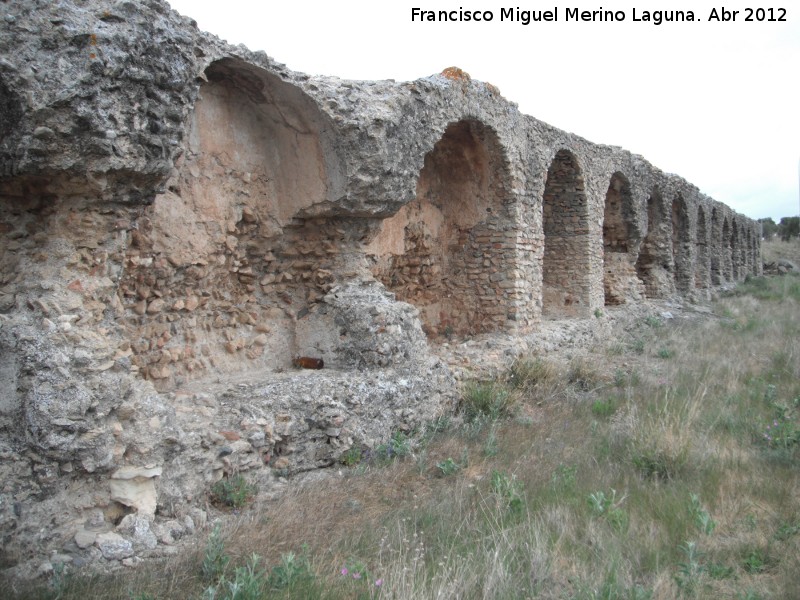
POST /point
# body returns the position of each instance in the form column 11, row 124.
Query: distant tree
column 788, row 228
column 768, row 228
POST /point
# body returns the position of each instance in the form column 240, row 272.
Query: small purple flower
column 356, row 575
column 344, row 571
column 378, row 582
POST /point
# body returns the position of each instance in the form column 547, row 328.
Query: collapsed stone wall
column 181, row 219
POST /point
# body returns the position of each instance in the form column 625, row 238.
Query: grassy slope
column 774, row 249
column 639, row 470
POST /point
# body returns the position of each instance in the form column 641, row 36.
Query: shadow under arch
column 621, row 238
column 654, row 263
column 214, row 279
column 566, row 279
column 446, row 252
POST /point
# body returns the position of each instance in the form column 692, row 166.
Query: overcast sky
column 717, row 102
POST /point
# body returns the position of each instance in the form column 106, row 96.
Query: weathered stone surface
column 135, row 487
column 114, row 546
column 181, row 219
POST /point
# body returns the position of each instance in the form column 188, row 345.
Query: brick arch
column 714, row 248
column 702, row 267
column 447, row 251
column 654, row 263
column 214, row 262
column 566, row 281
column 734, row 249
column 725, row 251
column 621, row 239
column 681, row 244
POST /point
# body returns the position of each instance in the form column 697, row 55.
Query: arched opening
column 620, row 241
column 681, row 245
column 748, row 252
column 725, row 250
column 566, row 283
column 222, row 266
column 714, row 250
column 734, row 252
column 448, row 251
column 702, row 271
column 654, row 264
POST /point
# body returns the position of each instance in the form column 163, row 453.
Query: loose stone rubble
column 181, row 218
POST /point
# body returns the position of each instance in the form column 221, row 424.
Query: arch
column 654, row 263
column 736, row 270
column 681, row 244
column 447, row 252
column 566, row 281
column 714, row 250
column 702, row 270
column 230, row 230
column 725, row 250
column 748, row 252
column 620, row 242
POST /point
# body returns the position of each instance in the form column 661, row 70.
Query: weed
column 619, row 378
column 781, row 434
column 604, row 408
column 656, row 464
column 690, row 570
column 582, row 374
column 526, row 373
column 608, row 507
column 448, row 467
column 490, row 447
column 485, row 399
column 215, row 560
column 719, row 571
column 292, row 570
column 637, row 346
column 598, row 313
column 616, row 349
column 508, row 491
column 398, row 446
column 352, row 457
column 755, row 561
column 248, row 583
column 653, row 322
column 232, row 491
column 787, row 531
column 700, row 516
column 438, row 425
column 665, row 353
column 564, row 477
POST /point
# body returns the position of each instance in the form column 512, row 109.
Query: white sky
column 716, row 102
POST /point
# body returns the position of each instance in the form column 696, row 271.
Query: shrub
column 215, row 560
column 508, row 491
column 485, row 399
column 398, row 446
column 448, row 467
column 293, row 570
column 352, row 457
column 604, row 408
column 232, row 491
column 526, row 373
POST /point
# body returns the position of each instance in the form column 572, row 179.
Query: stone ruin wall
column 181, row 218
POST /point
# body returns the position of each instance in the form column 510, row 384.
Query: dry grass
column 631, row 473
column 774, row 249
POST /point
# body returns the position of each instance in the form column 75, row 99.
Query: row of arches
column 252, row 234
column 450, row 253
